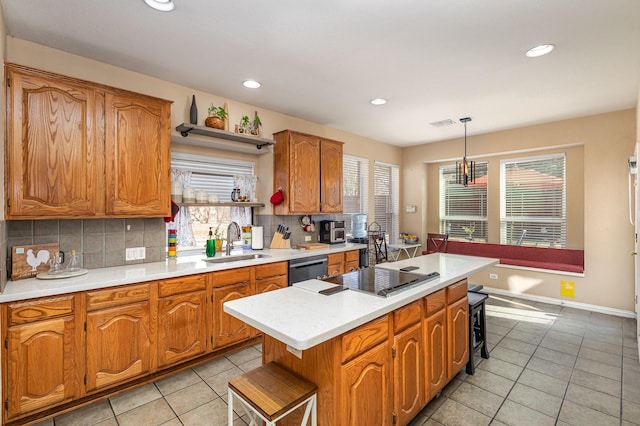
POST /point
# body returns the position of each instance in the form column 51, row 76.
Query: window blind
column 463, row 209
column 387, row 198
column 355, row 177
column 533, row 201
column 210, row 174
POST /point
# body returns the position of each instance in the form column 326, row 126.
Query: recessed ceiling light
column 540, row 50
column 161, row 5
column 378, row 101
column 251, row 84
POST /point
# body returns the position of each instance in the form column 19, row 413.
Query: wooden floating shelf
column 186, row 129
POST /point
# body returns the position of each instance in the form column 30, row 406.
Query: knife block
column 277, row 242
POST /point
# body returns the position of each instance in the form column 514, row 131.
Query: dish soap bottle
column 211, row 244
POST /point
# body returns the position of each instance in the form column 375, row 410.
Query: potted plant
column 255, row 125
column 216, row 117
column 245, row 125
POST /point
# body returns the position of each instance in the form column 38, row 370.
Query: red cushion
column 568, row 260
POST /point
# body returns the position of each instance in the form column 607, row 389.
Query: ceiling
column 324, row 61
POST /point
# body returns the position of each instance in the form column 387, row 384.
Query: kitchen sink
column 235, row 258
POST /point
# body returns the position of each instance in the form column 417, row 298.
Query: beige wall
column 602, row 143
column 605, row 140
column 39, row 56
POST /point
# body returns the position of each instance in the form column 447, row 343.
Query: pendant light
column 465, row 170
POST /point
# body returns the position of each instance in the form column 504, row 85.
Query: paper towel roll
column 257, row 237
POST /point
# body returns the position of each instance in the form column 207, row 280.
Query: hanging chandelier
column 465, row 170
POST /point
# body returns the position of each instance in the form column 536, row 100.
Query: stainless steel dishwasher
column 307, row 268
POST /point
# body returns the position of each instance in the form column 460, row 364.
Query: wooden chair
column 436, row 243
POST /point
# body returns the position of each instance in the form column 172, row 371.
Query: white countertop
column 130, row 274
column 301, row 317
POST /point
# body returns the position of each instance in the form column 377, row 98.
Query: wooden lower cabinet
column 42, row 362
column 41, row 358
column 408, row 361
column 118, row 345
column 457, row 336
column 230, row 285
column 435, row 344
column 182, row 315
column 366, row 388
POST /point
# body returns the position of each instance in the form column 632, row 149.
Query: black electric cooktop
column 380, row 281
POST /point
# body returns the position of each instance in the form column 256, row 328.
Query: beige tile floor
column 549, row 366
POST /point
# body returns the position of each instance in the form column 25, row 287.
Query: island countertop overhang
column 303, row 318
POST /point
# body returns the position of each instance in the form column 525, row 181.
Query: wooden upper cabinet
column 308, row 169
column 62, row 140
column 53, row 149
column 331, row 176
column 137, row 155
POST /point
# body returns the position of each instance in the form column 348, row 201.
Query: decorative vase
column 193, row 113
column 215, row 122
column 218, row 246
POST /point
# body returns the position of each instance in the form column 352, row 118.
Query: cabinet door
column 366, row 388
column 228, row 329
column 331, row 176
column 457, row 336
column 138, row 155
column 435, row 343
column 118, row 344
column 304, row 165
column 41, row 365
column 182, row 332
column 408, row 373
column 54, row 148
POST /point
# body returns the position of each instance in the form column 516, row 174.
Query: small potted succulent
column 216, row 117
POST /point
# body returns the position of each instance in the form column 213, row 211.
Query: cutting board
column 313, row 246
column 28, row 260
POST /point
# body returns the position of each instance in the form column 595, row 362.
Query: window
column 387, row 198
column 463, row 209
column 355, row 183
column 533, row 201
column 215, row 176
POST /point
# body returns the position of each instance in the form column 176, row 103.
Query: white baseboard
column 568, row 303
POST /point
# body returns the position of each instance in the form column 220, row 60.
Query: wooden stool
column 270, row 392
column 477, row 328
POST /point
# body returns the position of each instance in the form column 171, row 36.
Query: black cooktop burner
column 380, row 281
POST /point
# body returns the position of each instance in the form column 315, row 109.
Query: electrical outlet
column 307, row 237
column 493, row 276
column 135, row 253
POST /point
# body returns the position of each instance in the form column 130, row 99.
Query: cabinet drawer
column 232, row 276
column 181, row 285
column 335, row 258
column 364, row 337
column 117, row 296
column 407, row 315
column 436, row 301
column 274, row 283
column 271, row 270
column 39, row 309
column 352, row 255
column 456, row 291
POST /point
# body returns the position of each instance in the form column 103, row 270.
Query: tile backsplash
column 99, row 243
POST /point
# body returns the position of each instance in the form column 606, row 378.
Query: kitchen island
column 375, row 360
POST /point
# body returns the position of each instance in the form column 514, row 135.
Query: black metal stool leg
column 484, row 350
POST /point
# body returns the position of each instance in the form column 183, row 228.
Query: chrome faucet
column 236, row 236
